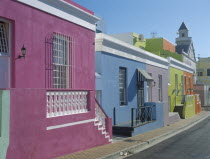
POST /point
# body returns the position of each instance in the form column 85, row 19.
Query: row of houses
column 143, row 84
column 65, row 88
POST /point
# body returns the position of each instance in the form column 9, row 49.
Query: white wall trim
column 180, row 65
column 69, row 124
column 82, row 18
column 138, row 55
column 180, row 68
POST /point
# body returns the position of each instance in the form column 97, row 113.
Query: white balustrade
column 61, row 103
column 100, row 116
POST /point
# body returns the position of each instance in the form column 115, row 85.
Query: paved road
column 191, row 144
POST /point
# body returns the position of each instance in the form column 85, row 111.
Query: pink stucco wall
column 29, row 137
column 30, row 27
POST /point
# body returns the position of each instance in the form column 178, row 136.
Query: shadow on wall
column 132, row 88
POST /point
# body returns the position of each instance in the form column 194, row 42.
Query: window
column 200, row 73
column 183, row 35
column 149, row 90
column 61, row 57
column 4, row 49
column 182, row 84
column 176, row 84
column 122, row 85
column 189, row 84
column 208, row 72
column 160, row 91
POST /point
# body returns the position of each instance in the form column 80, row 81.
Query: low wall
column 33, row 136
column 189, row 106
column 154, row 125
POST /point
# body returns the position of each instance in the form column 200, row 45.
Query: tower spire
column 183, row 27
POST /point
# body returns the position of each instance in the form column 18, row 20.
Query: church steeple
column 183, row 27
column 183, row 30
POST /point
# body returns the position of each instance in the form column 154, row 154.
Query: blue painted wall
column 107, row 65
column 159, row 114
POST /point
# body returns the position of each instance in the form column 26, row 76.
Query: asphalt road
column 191, row 144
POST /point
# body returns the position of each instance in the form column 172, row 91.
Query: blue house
column 123, row 86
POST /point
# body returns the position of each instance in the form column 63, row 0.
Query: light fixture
column 23, row 51
column 154, row 84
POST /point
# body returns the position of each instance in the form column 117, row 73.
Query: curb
column 145, row 145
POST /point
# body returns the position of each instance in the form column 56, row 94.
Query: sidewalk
column 140, row 142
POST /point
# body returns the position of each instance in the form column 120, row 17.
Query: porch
column 42, row 120
column 143, row 119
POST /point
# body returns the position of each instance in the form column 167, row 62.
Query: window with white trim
column 149, row 90
column 200, row 73
column 61, row 57
column 4, row 48
column 160, row 89
column 122, row 85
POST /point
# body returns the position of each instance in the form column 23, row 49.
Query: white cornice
column 114, row 46
column 64, row 10
column 180, row 65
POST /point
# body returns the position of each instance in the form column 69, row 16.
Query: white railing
column 100, row 116
column 61, row 103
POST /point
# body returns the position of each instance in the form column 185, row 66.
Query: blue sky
column 161, row 16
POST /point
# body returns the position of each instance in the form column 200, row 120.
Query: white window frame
column 149, row 90
column 9, row 37
column 61, row 60
column 200, row 74
column 160, row 88
column 124, row 87
column 4, row 39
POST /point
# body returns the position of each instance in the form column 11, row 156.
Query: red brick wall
column 188, row 85
column 168, row 46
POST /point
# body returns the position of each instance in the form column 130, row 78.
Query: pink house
column 47, row 80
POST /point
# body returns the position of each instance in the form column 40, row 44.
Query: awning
column 143, row 76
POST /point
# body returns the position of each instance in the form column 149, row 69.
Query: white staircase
column 100, row 121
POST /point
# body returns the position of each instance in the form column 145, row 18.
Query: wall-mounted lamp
column 154, row 83
column 23, row 51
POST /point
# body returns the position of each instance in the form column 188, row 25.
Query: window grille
column 61, row 60
column 160, row 88
column 122, row 86
column 3, row 39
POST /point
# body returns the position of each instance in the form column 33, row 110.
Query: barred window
column 61, row 58
column 160, row 89
column 4, row 49
column 122, row 86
